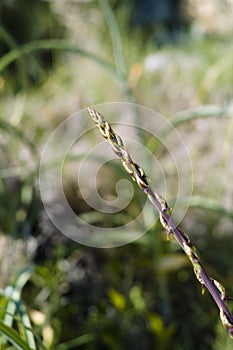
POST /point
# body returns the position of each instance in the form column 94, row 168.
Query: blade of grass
column 207, row 111
column 82, row 340
column 119, row 59
column 115, row 37
column 25, row 320
column 13, row 337
column 210, row 204
column 14, row 305
column 11, row 43
column 59, row 45
column 207, row 203
column 186, row 116
column 25, row 325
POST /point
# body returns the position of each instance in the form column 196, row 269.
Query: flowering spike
column 137, row 173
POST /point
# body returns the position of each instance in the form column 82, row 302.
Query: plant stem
column 137, row 173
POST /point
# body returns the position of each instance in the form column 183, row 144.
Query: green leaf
column 13, row 337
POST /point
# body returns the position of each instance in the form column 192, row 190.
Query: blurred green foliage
column 23, row 21
column 142, row 295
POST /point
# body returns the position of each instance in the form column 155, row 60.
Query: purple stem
column 213, row 290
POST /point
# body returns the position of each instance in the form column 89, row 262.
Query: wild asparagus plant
column 137, row 174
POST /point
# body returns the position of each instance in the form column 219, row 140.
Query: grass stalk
column 137, row 173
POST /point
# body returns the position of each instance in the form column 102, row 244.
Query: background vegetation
column 57, row 57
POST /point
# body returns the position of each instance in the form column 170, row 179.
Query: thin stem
column 137, row 173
